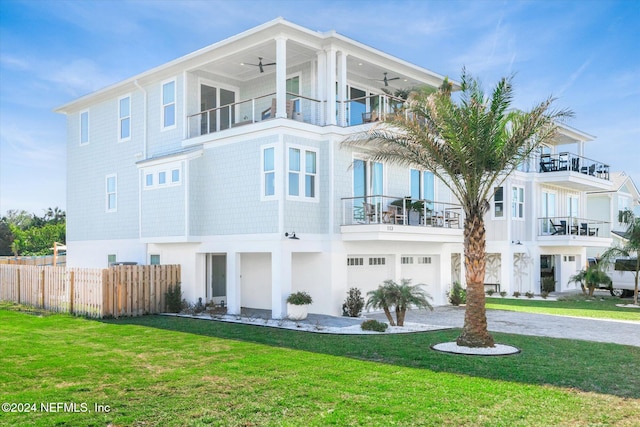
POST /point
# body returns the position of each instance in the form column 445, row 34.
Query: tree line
column 27, row 234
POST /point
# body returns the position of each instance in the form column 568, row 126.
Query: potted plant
column 297, row 305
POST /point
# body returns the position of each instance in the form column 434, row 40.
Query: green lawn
column 600, row 306
column 157, row 370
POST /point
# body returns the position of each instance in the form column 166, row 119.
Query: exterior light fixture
column 291, row 235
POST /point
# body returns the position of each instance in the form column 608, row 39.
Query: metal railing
column 367, row 109
column 572, row 162
column 563, row 226
column 300, row 108
column 400, row 210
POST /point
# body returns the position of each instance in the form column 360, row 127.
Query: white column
column 342, row 88
column 506, row 271
column 445, row 275
column 280, row 281
column 234, row 282
column 331, row 87
column 281, row 77
column 322, row 86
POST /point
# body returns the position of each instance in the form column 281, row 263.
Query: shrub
column 354, row 303
column 544, row 294
column 374, row 325
column 173, row 298
column 199, row 307
column 458, row 294
column 548, row 284
column 490, row 292
column 300, row 298
column 529, row 294
column 401, row 296
column 503, row 294
column 517, row 294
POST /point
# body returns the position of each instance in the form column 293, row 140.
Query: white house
column 611, row 205
column 229, row 162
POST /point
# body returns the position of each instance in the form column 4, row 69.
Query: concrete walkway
column 542, row 325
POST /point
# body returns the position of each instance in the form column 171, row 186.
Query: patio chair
column 585, row 230
column 575, row 164
column 558, row 228
column 370, row 212
column 270, row 112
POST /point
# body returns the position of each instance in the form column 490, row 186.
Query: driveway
column 543, row 325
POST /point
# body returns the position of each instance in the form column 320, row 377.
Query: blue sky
column 585, row 52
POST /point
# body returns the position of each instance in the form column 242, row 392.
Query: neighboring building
column 611, row 205
column 229, row 162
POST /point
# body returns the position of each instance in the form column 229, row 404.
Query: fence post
column 71, row 290
column 42, row 287
column 18, row 277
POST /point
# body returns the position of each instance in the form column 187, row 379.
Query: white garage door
column 366, row 272
column 423, row 269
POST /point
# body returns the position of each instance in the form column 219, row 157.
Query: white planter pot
column 297, row 312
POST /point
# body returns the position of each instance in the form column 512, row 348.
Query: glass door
column 548, row 211
column 208, row 100
column 357, row 106
column 220, row 118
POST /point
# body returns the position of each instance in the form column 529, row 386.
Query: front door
column 547, row 273
column 216, row 277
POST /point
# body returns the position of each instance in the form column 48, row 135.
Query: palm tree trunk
column 400, row 313
column 475, row 333
column 388, row 314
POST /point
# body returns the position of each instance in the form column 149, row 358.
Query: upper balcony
column 573, row 171
column 401, row 218
column 571, row 231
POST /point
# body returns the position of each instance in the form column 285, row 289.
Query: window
column 148, row 180
column 124, row 114
column 293, row 89
column 111, row 258
column 355, row 261
column 572, row 207
column 406, row 260
column 162, row 178
column 422, row 186
column 424, row 260
column 111, row 198
column 175, row 176
column 570, row 258
column 377, row 261
column 154, row 259
column 169, row 104
column 84, row 127
column 302, row 160
column 268, row 172
column 498, row 203
column 517, row 202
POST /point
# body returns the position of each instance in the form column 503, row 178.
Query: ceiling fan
column 386, row 80
column 260, row 65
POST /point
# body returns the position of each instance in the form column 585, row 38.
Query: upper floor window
column 124, row 118
column 517, row 202
column 302, row 173
column 169, row 104
column 498, row 203
column 84, row 127
column 111, row 193
column 268, row 172
column 422, row 185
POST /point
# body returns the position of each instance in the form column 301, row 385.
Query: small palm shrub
column 529, row 294
column 299, row 298
column 517, row 294
column 373, row 325
column 354, row 303
column 544, row 294
column 548, row 284
column 173, row 298
column 503, row 294
column 401, row 297
column 457, row 295
column 490, row 292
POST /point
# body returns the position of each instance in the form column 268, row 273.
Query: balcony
column 572, row 231
column 401, row 218
column 573, row 171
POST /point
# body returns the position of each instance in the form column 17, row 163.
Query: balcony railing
column 300, row 108
column 400, row 210
column 574, row 163
column 562, row 227
column 367, row 109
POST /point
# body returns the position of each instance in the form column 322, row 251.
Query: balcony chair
column 558, row 229
column 575, row 164
column 370, row 212
column 585, row 230
column 397, row 214
column 270, row 112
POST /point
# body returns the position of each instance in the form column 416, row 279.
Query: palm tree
column 472, row 145
column 401, row 297
column 591, row 278
column 382, row 298
column 409, row 295
column 630, row 249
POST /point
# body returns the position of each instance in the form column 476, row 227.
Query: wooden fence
column 61, row 260
column 128, row 290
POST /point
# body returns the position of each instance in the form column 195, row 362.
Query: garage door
column 422, row 269
column 366, row 272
